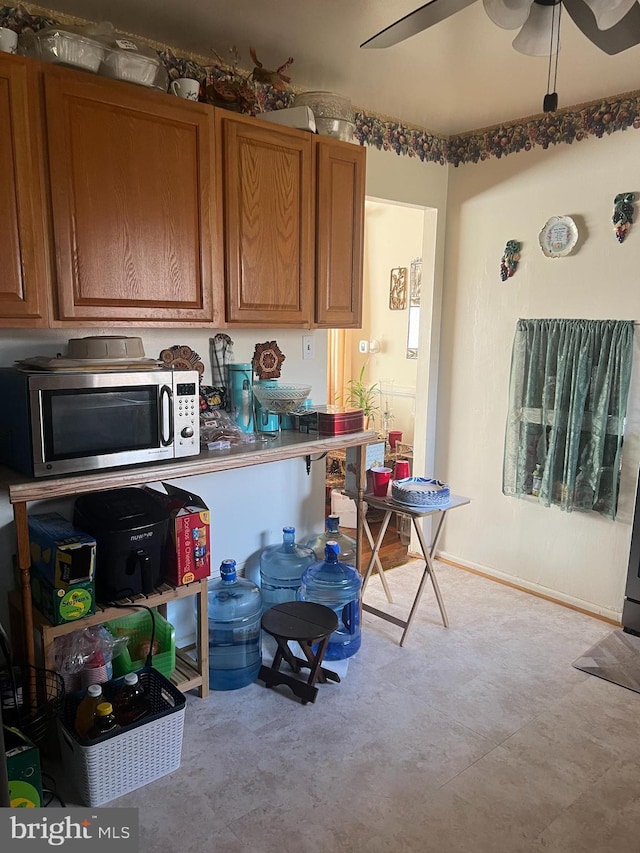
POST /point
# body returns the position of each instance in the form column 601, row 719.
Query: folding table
column 389, row 505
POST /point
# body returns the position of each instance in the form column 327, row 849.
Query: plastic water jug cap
column 228, row 570
column 331, row 550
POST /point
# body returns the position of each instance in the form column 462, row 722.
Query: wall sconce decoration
column 415, row 282
column 415, row 291
column 398, row 289
column 510, row 258
column 623, row 215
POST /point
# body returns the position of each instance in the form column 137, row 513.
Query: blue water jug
column 332, row 533
column 235, row 611
column 281, row 569
column 336, row 585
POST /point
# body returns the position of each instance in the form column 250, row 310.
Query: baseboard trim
column 603, row 614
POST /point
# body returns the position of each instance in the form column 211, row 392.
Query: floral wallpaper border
column 598, row 118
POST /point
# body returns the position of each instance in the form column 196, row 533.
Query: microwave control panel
column 187, row 419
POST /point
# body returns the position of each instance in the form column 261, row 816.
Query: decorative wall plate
column 558, row 237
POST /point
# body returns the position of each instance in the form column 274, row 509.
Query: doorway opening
column 399, row 245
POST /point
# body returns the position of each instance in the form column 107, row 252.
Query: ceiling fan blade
column 415, row 22
column 624, row 34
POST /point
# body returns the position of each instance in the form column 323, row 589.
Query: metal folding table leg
column 427, row 573
column 375, row 558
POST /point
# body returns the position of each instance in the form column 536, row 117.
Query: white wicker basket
column 126, row 760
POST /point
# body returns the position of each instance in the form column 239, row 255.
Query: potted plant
column 362, row 396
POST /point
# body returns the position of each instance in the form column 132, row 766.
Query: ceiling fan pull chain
column 550, row 102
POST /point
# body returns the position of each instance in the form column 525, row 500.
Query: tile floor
column 479, row 737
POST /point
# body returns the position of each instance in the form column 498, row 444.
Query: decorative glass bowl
column 418, row 492
column 281, row 399
column 333, row 113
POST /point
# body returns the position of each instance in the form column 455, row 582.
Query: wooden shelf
column 186, row 676
column 288, row 445
column 189, row 674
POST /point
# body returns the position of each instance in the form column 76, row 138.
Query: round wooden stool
column 309, row 625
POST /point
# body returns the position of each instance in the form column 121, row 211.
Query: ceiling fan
column 612, row 25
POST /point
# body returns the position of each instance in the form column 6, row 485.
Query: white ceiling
column 459, row 75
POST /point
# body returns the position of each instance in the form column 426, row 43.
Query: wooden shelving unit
column 190, row 672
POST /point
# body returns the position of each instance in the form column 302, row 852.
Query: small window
column 567, row 406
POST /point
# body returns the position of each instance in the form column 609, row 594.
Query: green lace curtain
column 567, row 406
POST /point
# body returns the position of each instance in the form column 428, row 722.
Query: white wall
column 580, row 558
column 249, row 506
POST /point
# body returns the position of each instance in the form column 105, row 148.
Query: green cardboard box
column 62, row 604
column 63, row 561
column 23, row 770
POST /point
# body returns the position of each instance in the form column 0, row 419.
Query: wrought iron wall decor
column 398, row 289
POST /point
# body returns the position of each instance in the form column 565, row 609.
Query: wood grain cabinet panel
column 24, row 280
column 340, row 173
column 267, row 176
column 134, row 212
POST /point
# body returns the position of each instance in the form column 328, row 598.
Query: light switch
column 308, row 349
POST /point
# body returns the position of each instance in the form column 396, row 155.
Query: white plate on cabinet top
column 558, row 237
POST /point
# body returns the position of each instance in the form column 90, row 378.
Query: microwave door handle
column 166, row 415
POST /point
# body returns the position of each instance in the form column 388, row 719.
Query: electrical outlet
column 308, row 350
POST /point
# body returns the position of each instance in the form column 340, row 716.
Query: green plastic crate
column 138, row 627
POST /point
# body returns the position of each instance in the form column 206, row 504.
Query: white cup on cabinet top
column 8, row 40
column 185, row 87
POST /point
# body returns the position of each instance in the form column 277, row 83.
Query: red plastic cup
column 381, row 478
column 395, row 435
column 401, row 469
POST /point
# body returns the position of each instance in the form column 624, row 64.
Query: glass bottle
column 336, row 585
column 104, row 721
column 536, row 480
column 131, row 702
column 332, row 533
column 235, row 611
column 86, row 710
column 281, row 568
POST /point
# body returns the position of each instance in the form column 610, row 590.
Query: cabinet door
column 24, row 282
column 339, row 233
column 268, row 221
column 131, row 175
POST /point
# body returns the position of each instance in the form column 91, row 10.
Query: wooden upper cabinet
column 132, row 194
column 24, row 280
column 339, row 233
column 268, row 187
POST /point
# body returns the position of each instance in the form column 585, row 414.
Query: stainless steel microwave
column 61, row 423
